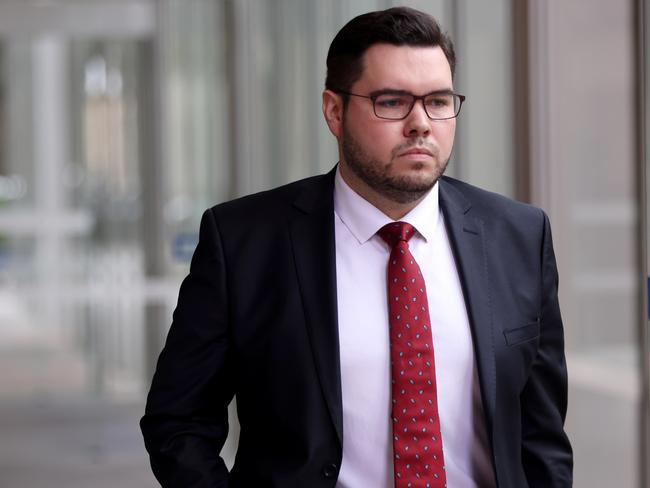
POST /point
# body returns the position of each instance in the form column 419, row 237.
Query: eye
column 439, row 101
column 392, row 101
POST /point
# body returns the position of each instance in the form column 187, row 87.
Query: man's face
column 398, row 160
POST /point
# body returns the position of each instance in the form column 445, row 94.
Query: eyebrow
column 397, row 91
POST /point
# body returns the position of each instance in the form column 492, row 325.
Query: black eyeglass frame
column 375, row 96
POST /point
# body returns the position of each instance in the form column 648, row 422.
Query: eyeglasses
column 398, row 105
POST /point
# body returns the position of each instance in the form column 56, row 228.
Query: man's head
column 399, row 51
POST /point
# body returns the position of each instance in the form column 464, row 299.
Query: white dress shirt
column 361, row 268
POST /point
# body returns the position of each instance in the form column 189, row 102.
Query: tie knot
column 396, row 231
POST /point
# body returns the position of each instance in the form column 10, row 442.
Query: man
column 380, row 325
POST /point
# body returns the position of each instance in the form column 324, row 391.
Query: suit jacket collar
column 467, row 237
column 312, row 237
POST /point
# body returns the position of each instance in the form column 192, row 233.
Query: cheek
column 445, row 136
column 381, row 140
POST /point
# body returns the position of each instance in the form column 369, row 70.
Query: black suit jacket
column 257, row 318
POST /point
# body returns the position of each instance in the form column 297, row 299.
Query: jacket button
column 330, row 470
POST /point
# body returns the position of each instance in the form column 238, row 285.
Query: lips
column 417, row 150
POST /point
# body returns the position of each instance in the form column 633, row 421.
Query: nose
column 417, row 122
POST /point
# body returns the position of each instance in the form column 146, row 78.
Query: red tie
column 417, row 442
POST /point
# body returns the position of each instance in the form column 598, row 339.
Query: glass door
column 75, row 287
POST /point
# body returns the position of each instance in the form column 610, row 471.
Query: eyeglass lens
column 398, row 106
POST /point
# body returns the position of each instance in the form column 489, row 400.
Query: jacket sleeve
column 186, row 420
column 546, row 452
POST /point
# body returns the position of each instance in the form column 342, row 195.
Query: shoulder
column 257, row 228
column 278, row 201
column 490, row 207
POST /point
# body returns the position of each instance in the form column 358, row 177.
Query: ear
column 333, row 112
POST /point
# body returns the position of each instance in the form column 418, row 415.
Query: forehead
column 413, row 68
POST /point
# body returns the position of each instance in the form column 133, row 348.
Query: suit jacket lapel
column 467, row 238
column 312, row 237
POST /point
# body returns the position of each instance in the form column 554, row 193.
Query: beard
column 377, row 174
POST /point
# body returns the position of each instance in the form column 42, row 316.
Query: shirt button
column 330, row 470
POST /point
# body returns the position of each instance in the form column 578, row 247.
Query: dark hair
column 400, row 26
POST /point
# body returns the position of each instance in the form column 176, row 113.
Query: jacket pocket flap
column 522, row 334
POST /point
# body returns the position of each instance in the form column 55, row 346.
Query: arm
column 546, row 452
column 186, row 420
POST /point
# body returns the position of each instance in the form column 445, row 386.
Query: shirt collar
column 364, row 219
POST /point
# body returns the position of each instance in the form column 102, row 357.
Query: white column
column 51, row 152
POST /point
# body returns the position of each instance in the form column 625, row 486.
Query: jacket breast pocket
column 525, row 333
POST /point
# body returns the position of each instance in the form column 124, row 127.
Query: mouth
column 416, row 153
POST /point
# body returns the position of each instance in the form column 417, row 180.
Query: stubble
column 378, row 175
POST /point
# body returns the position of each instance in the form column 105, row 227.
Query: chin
column 420, row 173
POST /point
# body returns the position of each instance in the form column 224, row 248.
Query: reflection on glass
column 71, row 258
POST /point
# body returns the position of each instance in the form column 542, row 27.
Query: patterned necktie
column 417, row 442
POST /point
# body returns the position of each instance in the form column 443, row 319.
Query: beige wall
column 584, row 174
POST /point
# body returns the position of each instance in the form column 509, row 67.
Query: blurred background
column 122, row 120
